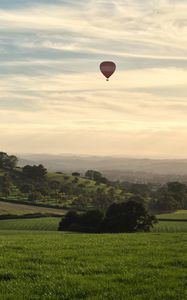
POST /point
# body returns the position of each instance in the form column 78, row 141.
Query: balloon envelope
column 107, row 68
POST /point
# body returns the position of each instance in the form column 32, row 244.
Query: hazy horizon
column 100, row 156
column 53, row 98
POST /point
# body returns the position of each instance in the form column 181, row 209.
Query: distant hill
column 113, row 167
column 56, row 190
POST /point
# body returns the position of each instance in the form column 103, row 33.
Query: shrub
column 77, row 174
column 85, row 222
column 128, row 216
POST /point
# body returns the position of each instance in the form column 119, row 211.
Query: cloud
column 52, row 95
column 118, row 27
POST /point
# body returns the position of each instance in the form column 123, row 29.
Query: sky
column 53, row 98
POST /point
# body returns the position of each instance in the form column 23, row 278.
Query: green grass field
column 15, row 209
column 37, row 262
column 180, row 214
column 79, row 266
column 41, row 224
column 51, row 224
column 167, row 226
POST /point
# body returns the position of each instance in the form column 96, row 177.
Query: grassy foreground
column 79, row 266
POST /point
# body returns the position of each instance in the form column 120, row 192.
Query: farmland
column 37, row 262
column 40, row 224
column 79, row 266
column 50, row 223
column 170, row 226
column 15, row 209
column 174, row 222
column 178, row 215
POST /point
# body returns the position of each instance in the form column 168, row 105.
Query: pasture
column 170, row 226
column 51, row 223
column 15, row 209
column 178, row 215
column 37, row 265
column 40, row 224
column 176, row 222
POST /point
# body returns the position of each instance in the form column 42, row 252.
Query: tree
column 66, row 188
column 164, row 203
column 102, row 200
column 26, row 188
column 34, row 172
column 7, row 161
column 75, row 180
column 140, row 189
column 95, row 175
column 6, row 182
column 91, row 174
column 54, row 185
column 5, row 191
column 140, row 199
column 130, row 216
column 81, row 201
column 70, row 218
column 179, row 193
column 89, row 221
column 169, row 197
column 76, row 174
column 5, row 185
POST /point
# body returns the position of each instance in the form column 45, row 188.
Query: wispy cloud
column 50, row 84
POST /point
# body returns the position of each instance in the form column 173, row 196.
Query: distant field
column 81, row 266
column 7, row 208
column 169, row 226
column 90, row 184
column 41, row 224
column 180, row 214
column 172, row 226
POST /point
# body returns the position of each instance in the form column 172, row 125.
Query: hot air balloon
column 107, row 68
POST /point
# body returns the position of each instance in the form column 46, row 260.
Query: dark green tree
column 164, row 203
column 54, row 185
column 8, row 162
column 34, row 172
column 95, row 175
column 76, row 174
column 179, row 192
column 26, row 188
column 89, row 221
column 130, row 216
